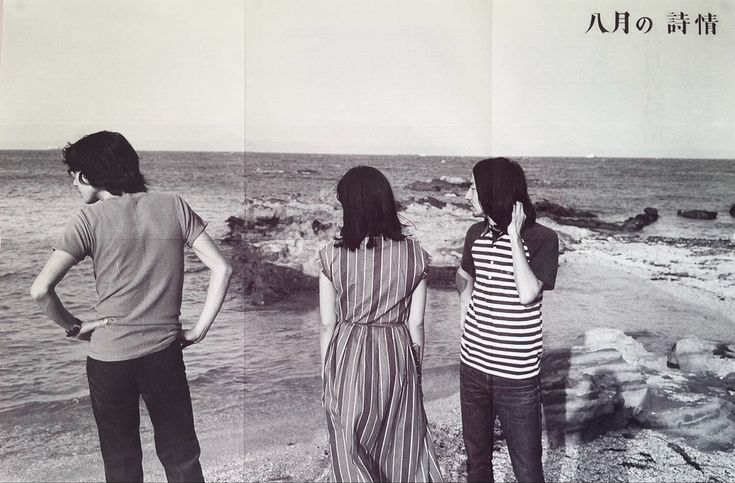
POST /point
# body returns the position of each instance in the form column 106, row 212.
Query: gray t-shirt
column 137, row 244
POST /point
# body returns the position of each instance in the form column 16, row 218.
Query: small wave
column 219, row 376
column 22, row 409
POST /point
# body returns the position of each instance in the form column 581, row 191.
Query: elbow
column 228, row 271
column 224, row 270
column 528, row 298
column 328, row 324
column 39, row 292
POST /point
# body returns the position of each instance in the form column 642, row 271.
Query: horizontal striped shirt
column 502, row 336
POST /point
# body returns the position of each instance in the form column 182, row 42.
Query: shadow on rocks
column 579, row 407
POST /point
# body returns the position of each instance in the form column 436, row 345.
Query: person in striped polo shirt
column 508, row 260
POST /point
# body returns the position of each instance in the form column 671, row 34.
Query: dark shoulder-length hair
column 501, row 182
column 368, row 208
column 107, row 161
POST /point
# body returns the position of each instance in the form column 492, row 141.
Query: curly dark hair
column 107, row 161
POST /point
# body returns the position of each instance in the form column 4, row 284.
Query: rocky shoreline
column 612, row 411
column 274, row 244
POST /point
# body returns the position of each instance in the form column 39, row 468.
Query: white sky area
column 488, row 77
column 168, row 74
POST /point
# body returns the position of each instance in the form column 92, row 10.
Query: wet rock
column 318, row 226
column 263, row 282
column 236, row 226
column 697, row 214
column 445, row 183
column 729, row 381
column 264, row 224
column 697, row 355
column 545, row 207
column 586, row 219
column 638, row 222
column 429, row 200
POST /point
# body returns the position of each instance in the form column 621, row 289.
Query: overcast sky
column 169, row 74
column 512, row 77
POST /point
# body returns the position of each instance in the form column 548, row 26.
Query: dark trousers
column 518, row 405
column 115, row 389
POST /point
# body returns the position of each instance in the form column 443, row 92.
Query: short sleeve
column 544, row 257
column 326, row 261
column 467, row 264
column 191, row 223
column 77, row 239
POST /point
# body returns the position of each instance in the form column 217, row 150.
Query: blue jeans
column 518, row 405
column 115, row 389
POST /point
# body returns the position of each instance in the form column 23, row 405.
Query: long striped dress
column 375, row 415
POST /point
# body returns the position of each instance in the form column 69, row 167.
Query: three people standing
column 372, row 298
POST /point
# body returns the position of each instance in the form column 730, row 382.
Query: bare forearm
column 527, row 284
column 417, row 338
column 325, row 337
column 219, row 281
column 51, row 305
column 463, row 284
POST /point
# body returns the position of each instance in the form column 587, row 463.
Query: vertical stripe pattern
column 501, row 337
column 375, row 415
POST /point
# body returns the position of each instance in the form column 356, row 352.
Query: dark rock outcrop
column 438, row 185
column 558, row 212
column 236, row 226
column 263, row 282
column 318, row 226
column 586, row 219
column 732, row 210
column 638, row 222
column 430, row 200
column 697, row 214
column 264, row 224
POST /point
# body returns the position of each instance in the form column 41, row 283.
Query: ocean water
column 43, row 373
column 282, row 348
column 614, row 188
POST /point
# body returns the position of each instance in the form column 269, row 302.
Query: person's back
column 372, row 293
column 137, row 244
column 136, row 241
column 374, row 285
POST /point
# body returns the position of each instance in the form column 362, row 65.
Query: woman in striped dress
column 372, row 292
